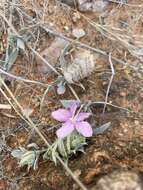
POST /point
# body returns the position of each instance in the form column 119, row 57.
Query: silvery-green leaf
column 2, row 62
column 68, row 144
column 29, row 155
column 67, row 103
column 54, row 153
column 46, row 155
column 54, row 157
column 12, row 58
column 30, row 159
column 61, row 89
column 61, row 148
column 35, row 165
column 101, row 129
column 65, row 148
column 20, row 44
column 78, row 141
column 33, row 145
column 17, row 153
column 22, row 149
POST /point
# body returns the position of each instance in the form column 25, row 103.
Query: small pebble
column 66, row 28
column 123, row 94
column 78, row 32
column 93, row 6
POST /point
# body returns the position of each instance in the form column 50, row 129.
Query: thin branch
column 43, row 97
column 22, row 79
column 109, row 104
column 127, row 4
column 73, row 91
column 110, row 82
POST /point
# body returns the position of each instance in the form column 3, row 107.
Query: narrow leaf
column 20, row 44
column 12, row 58
column 17, row 153
column 61, row 88
column 101, row 129
column 67, row 103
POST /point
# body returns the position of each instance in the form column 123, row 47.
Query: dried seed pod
column 82, row 66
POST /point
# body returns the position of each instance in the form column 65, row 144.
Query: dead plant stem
column 110, row 82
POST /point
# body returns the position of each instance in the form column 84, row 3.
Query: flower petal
column 65, row 130
column 84, row 128
column 61, row 115
column 74, row 107
column 81, row 116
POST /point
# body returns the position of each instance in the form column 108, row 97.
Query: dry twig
column 110, row 82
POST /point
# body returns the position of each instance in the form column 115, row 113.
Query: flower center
column 73, row 119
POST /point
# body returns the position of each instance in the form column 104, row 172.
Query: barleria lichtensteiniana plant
column 64, row 148
column 72, row 136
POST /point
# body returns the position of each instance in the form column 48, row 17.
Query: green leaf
column 101, row 129
column 54, row 153
column 61, row 88
column 17, row 153
column 68, row 144
column 20, row 44
column 2, row 62
column 33, row 145
column 26, row 157
column 12, row 58
column 67, row 103
column 61, row 148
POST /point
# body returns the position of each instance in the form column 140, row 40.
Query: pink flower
column 72, row 121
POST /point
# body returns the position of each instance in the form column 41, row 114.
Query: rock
column 120, row 180
column 51, row 54
column 78, row 32
column 99, row 5
column 94, row 5
column 87, row 5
